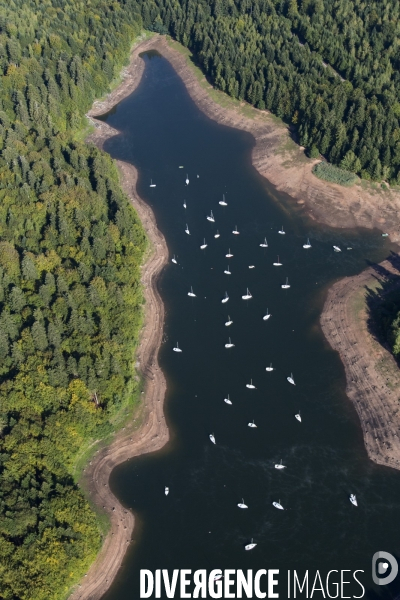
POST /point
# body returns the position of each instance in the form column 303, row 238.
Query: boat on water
column 212, row 438
column 266, row 316
column 250, row 385
column 228, row 322
column 247, row 295
column 252, row 425
column 307, row 244
column 187, row 230
column 336, row 249
column 204, row 245
column 229, row 344
column 252, row 267
column 223, row 202
column 217, row 235
column 282, row 231
column 166, row 490
column 298, row 417
column 174, row 260
column 184, row 204
column 227, row 271
column 242, row 504
column 278, row 505
column 353, row 499
column 228, row 400
column 229, row 255
column 225, row 299
column 385, row 234
column 277, row 263
column 270, row 368
column 290, row 379
column 280, row 466
column 180, row 167
column 191, row 293
column 264, row 243
column 250, row 546
column 211, row 217
column 235, row 231
column 286, row 285
column 152, row 184
column 187, row 179
column 177, row 349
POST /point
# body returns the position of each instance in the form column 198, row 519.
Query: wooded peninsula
column 71, row 245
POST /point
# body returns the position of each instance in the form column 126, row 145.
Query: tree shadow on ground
column 383, row 303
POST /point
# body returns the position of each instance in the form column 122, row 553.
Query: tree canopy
column 70, row 297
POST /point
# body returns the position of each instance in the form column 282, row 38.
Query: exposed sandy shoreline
column 372, row 374
column 284, row 164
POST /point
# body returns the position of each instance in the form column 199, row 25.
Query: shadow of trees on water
column 383, row 304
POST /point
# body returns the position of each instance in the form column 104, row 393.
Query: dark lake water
column 199, row 524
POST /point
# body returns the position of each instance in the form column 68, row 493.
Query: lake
column 198, row 525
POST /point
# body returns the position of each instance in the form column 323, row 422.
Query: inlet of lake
column 199, row 525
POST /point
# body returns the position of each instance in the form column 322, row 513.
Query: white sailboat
column 235, row 231
column 280, row 466
column 228, row 322
column 187, row 230
column 270, row 368
column 184, row 204
column 187, row 179
column 286, row 285
column 247, row 295
column 191, row 293
column 217, row 234
column 174, row 260
column 278, row 505
column 264, row 244
column 252, row 425
column 229, row 255
column 281, row 231
column 227, row 271
column 229, row 344
column 290, row 379
column 307, row 244
column 180, row 167
column 166, row 490
column 225, row 299
column 223, row 201
column 353, row 499
column 212, row 438
column 252, row 267
column 204, row 245
column 298, row 417
column 250, row 385
column 266, row 316
column 177, row 349
column 250, row 546
column 211, row 217
column 228, row 400
column 152, row 184
column 242, row 504
column 277, row 263
column 336, row 249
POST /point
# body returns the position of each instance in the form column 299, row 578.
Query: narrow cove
column 199, row 524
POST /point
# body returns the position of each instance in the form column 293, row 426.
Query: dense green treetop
column 70, row 300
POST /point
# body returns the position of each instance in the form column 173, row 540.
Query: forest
column 71, row 247
column 329, row 68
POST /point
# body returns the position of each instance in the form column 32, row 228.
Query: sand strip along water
column 283, row 163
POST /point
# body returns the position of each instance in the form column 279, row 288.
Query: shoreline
column 284, row 164
column 372, row 374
